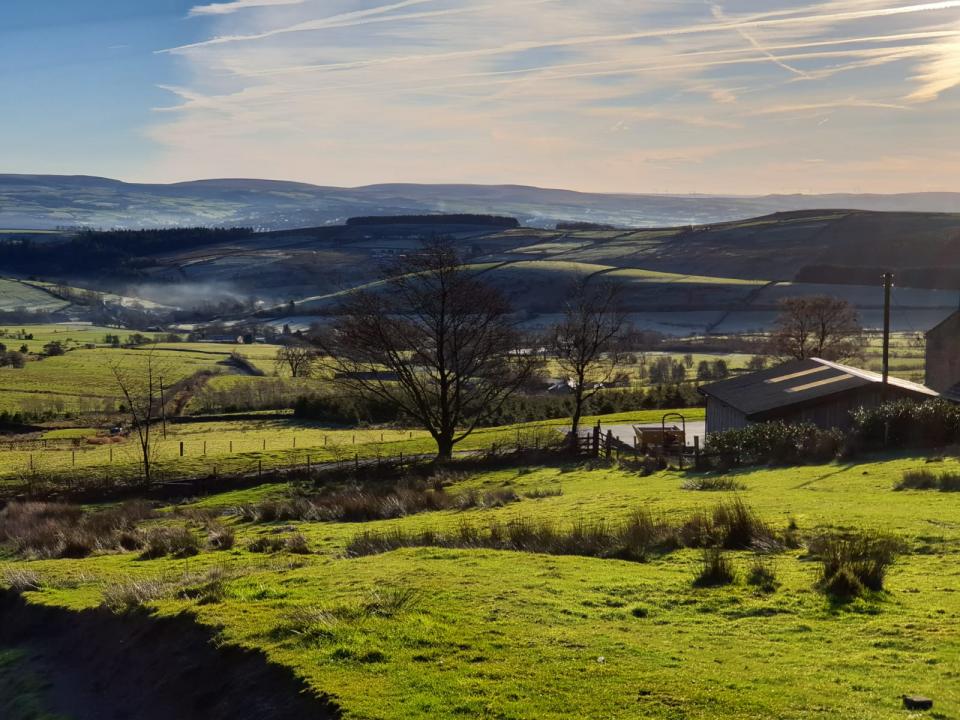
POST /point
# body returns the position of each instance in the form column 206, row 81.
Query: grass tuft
column 716, row 569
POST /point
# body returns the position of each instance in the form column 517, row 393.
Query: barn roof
column 800, row 382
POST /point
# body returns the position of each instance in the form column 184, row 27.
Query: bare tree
column 588, row 342
column 433, row 342
column 817, row 326
column 141, row 390
column 298, row 358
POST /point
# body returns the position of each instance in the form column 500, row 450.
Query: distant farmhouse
column 943, row 357
column 816, row 391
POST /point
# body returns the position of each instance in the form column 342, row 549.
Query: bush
column 22, row 580
column 220, row 537
column 56, row 530
column 716, row 569
column 762, row 574
column 364, row 505
column 127, row 596
column 177, row 541
column 635, row 538
column 926, row 480
column 863, row 557
column 714, row 483
column 907, row 424
column 777, row 443
column 732, row 526
column 297, row 543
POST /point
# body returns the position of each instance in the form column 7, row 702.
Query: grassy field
column 82, row 379
column 16, row 295
column 246, row 446
column 520, row 635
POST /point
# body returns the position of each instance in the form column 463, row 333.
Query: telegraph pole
column 887, row 285
column 163, row 411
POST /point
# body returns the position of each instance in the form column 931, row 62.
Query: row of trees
column 438, row 345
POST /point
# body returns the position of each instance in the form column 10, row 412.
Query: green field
column 16, row 295
column 82, row 379
column 523, row 635
column 247, row 446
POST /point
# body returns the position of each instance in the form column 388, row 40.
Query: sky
column 633, row 96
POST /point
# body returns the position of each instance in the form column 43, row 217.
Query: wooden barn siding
column 721, row 416
column 833, row 412
column 943, row 355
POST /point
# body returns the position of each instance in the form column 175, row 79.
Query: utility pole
column 887, row 285
column 163, row 411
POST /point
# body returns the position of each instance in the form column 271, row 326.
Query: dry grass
column 641, row 534
column 57, row 530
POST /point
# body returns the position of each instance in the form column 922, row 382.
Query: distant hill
column 50, row 201
column 720, row 277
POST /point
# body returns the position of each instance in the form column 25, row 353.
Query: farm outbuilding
column 816, row 391
column 943, row 357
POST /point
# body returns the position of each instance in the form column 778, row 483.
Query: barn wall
column 943, row 355
column 835, row 411
column 721, row 416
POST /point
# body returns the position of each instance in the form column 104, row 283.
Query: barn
column 943, row 357
column 813, row 390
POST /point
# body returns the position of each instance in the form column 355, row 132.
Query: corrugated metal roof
column 799, row 382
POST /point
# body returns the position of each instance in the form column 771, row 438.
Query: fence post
column 294, row 441
column 596, row 440
column 73, row 458
column 111, row 455
column 181, row 448
column 231, row 447
column 204, row 448
column 696, row 452
column 264, row 444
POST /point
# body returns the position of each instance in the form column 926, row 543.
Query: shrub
column 762, row 574
column 777, row 443
column 715, row 569
column 635, row 538
column 297, row 543
column 267, row 544
column 713, row 483
column 903, row 423
column 865, row 557
column 127, row 596
column 52, row 530
column 220, row 537
column 22, row 580
column 540, row 493
column 924, row 479
column 364, row 505
column 732, row 526
column 391, row 601
column 917, row 480
column 178, row 541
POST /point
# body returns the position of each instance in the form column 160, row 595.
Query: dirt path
column 98, row 666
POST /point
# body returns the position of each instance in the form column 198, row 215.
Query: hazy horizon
column 653, row 97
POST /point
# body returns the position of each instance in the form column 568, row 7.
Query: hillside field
column 483, row 633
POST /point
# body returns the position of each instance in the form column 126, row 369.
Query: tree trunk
column 444, row 447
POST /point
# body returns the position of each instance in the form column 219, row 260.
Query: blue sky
column 735, row 96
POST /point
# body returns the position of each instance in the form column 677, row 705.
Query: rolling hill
column 720, row 277
column 49, row 201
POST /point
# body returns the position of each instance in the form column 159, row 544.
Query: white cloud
column 225, row 8
column 354, row 91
